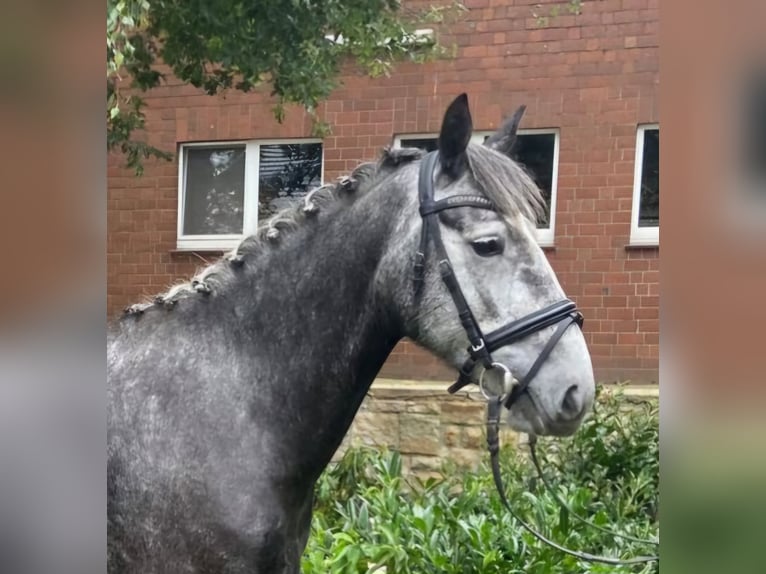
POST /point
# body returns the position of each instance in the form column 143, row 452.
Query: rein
column 562, row 313
column 561, row 503
column 493, row 443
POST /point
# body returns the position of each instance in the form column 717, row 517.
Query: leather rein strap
column 563, row 313
column 493, row 442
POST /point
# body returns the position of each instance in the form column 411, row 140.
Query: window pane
column 535, row 153
column 287, row 173
column 649, row 210
column 215, row 190
column 426, row 144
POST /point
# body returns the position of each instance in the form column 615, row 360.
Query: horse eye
column 488, row 246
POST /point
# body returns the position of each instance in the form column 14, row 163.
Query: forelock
column 505, row 183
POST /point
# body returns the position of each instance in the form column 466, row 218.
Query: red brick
column 626, row 326
column 604, row 338
column 625, row 349
column 636, row 265
column 630, row 338
column 649, row 325
column 622, row 289
column 651, row 276
column 616, row 301
column 647, row 312
column 650, row 301
column 619, row 314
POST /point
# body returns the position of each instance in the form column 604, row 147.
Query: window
column 645, row 221
column 224, row 189
column 426, row 143
column 536, row 150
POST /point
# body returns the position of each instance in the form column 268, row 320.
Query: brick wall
column 593, row 76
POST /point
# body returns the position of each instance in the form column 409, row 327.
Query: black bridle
column 563, row 313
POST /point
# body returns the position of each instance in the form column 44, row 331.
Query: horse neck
column 321, row 318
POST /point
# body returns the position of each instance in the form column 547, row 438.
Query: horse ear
column 504, row 138
column 455, row 134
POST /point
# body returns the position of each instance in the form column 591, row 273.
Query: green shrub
column 367, row 514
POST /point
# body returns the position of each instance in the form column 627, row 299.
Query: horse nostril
column 573, row 404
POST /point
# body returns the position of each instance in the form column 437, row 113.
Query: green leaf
column 364, row 518
column 563, row 520
column 601, row 475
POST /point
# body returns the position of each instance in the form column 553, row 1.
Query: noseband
column 563, row 313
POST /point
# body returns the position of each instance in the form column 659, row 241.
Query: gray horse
column 229, row 394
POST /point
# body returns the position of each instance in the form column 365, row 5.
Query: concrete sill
column 211, row 251
column 640, row 246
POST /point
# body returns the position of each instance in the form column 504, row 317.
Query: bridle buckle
column 479, row 347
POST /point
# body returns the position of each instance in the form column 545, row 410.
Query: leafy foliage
column 295, row 46
column 368, row 515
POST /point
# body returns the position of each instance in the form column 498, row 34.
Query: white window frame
column 250, row 202
column 545, row 236
column 421, row 136
column 641, row 236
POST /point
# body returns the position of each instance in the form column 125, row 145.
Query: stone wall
column 427, row 425
column 423, row 422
